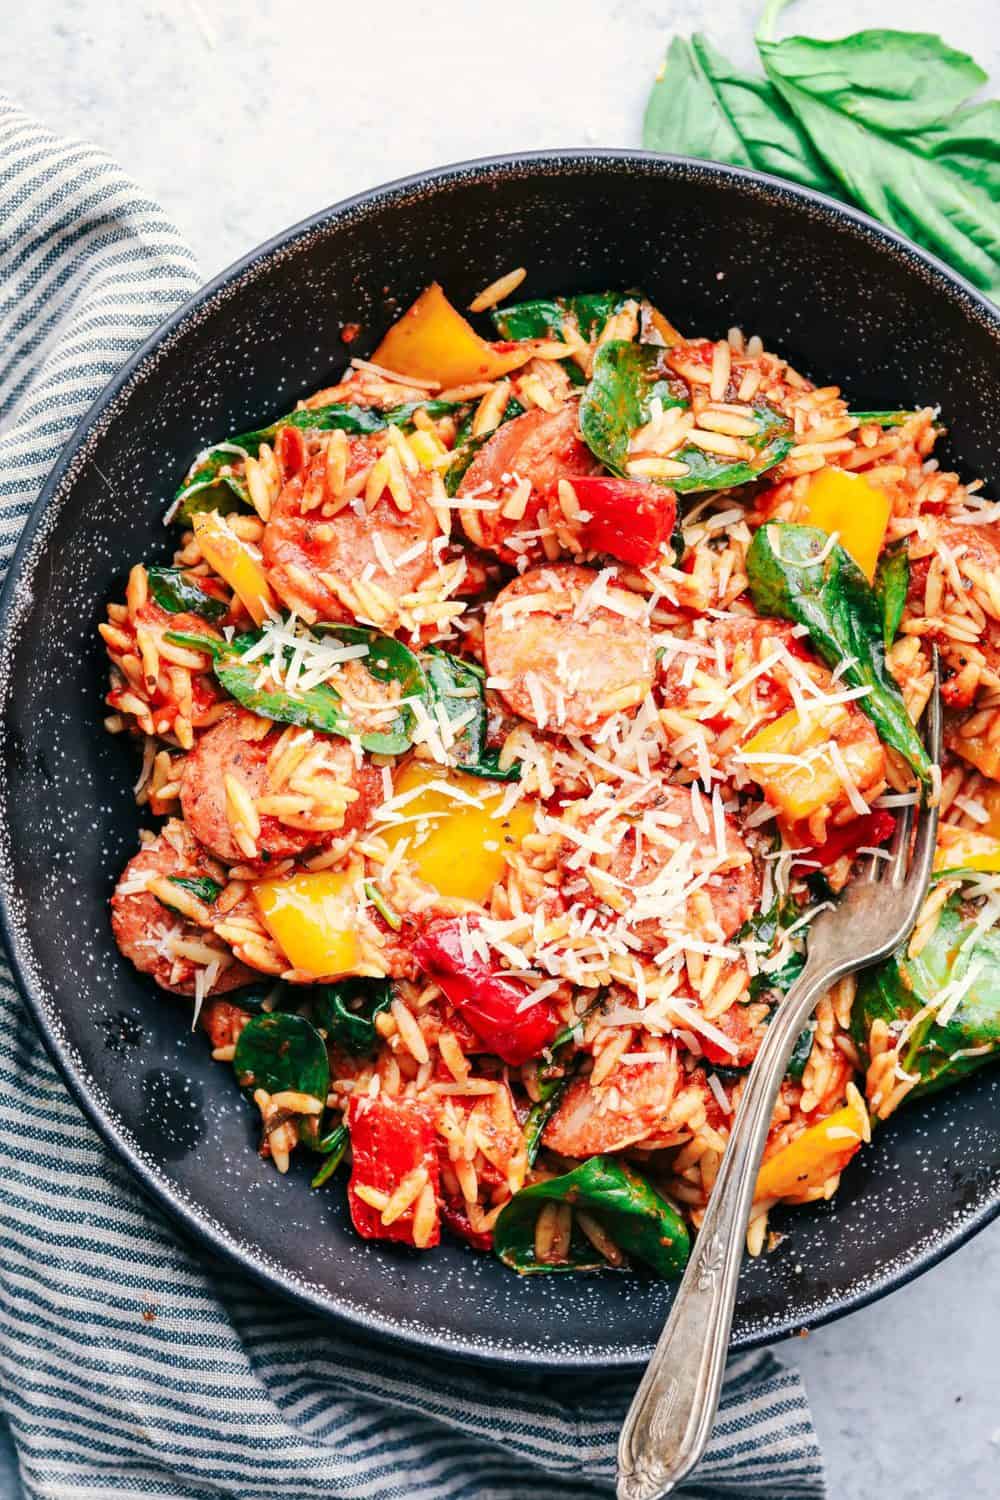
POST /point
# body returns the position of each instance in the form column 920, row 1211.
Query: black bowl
column 845, row 300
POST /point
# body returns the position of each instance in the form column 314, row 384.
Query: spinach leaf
column 547, row 318
column 702, row 106
column 892, row 583
column 488, row 767
column 319, row 707
column 800, row 1054
column 897, row 990
column 796, row 575
column 626, row 379
column 200, row 489
column 882, row 418
column 347, row 1010
column 332, row 1146
column 282, row 1051
column 178, row 592
column 766, row 928
column 455, row 686
column 881, row 109
column 642, row 1223
column 466, row 446
column 202, row 886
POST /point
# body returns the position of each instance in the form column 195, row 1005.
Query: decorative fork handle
column 671, row 1418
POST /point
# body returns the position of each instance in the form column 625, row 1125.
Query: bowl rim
column 188, row 1218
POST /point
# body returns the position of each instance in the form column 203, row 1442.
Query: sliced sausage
column 240, row 745
column 974, row 554
column 726, row 650
column 539, row 448
column 144, row 928
column 306, row 553
column 566, row 648
column 628, row 1106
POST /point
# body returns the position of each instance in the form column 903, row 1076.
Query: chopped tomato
column 290, row 449
column 390, row 1138
column 861, row 833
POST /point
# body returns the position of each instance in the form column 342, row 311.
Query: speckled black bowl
column 847, row 301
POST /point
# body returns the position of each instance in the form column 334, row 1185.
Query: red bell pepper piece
column 389, row 1139
column 628, row 520
column 487, row 998
column 456, row 1218
column 290, row 450
column 861, row 833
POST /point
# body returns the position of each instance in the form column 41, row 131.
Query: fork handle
column 673, row 1412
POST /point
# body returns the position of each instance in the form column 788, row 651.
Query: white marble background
column 242, row 116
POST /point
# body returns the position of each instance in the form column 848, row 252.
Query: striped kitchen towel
column 226, row 1391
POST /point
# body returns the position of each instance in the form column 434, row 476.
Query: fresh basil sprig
column 880, row 119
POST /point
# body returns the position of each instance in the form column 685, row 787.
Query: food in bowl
column 512, row 706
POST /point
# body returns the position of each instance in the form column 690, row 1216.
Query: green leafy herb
column 284, row 1051
column 456, row 687
column 466, row 446
column 332, row 1146
column 765, row 929
column 389, row 914
column 319, row 707
column 956, row 959
column 552, row 317
column 892, row 583
column 179, row 592
column 206, row 488
column 702, row 106
column 795, row 574
column 642, row 1223
column 347, row 1011
column 202, row 886
column 488, row 767
column 881, row 418
column 626, row 379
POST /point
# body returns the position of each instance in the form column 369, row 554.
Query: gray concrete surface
column 242, row 116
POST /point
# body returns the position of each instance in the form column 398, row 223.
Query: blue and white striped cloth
column 226, row 1392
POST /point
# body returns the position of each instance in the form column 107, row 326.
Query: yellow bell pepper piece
column 456, row 843
column 313, row 919
column 820, row 1151
column 797, row 791
column 979, row 752
column 236, row 562
column 432, row 341
column 856, row 510
column 966, row 848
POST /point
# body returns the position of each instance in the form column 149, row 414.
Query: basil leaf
column 202, row 886
column 640, row 1222
column 347, row 1011
column 892, row 584
column 198, row 492
column 179, row 593
column 702, row 106
column 456, row 686
column 834, row 600
column 865, row 102
column 388, row 661
column 282, row 1051
column 896, row 991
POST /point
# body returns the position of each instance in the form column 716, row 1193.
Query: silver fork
column 671, row 1418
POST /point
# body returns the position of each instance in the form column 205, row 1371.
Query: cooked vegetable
column 640, row 1222
column 388, row 913
column 881, row 418
column 180, row 592
column 626, row 380
column 202, row 886
column 814, row 1156
column 456, row 838
column 547, row 318
column 432, row 341
column 626, row 519
column 552, row 1080
column 391, row 1140
column 485, row 995
column 466, row 446
column 284, row 1052
column 765, row 928
column 488, row 767
column 702, row 106
column 333, row 1146
column 237, row 562
column 858, row 512
column 867, row 832
column 206, row 488
column 892, row 583
column 796, row 788
column 456, row 692
column 313, row 919
column 874, row 118
column 347, row 1011
column 320, row 707
column 955, row 980
column 795, row 574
